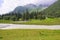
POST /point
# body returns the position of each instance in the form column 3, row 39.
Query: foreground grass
column 55, row 21
column 29, row 34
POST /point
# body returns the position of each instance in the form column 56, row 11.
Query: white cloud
column 9, row 5
column 46, row 1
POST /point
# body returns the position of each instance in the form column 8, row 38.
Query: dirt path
column 17, row 26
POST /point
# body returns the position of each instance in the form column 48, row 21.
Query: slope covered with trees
column 53, row 11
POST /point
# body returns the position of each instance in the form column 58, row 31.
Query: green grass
column 6, row 21
column 49, row 21
column 25, row 34
column 55, row 21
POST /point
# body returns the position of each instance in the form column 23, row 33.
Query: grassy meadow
column 49, row 21
column 6, row 21
column 25, row 34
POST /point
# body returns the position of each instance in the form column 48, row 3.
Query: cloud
column 47, row 1
column 1, row 1
column 9, row 5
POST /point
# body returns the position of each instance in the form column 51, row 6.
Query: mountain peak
column 30, row 5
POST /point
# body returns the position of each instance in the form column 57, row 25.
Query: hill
column 53, row 10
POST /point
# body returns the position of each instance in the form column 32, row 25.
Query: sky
column 9, row 5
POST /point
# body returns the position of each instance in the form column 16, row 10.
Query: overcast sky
column 9, row 5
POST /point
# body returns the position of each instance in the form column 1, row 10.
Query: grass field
column 20, row 34
column 6, row 21
column 49, row 21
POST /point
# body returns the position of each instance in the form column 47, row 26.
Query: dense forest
column 52, row 11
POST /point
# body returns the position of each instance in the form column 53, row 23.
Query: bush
column 42, row 17
column 6, row 17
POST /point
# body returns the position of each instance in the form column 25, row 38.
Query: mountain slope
column 53, row 10
column 19, row 9
column 30, row 7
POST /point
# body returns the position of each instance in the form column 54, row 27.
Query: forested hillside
column 53, row 11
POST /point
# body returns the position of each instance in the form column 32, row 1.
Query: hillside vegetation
column 53, row 11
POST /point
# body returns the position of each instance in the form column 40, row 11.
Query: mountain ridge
column 30, row 7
